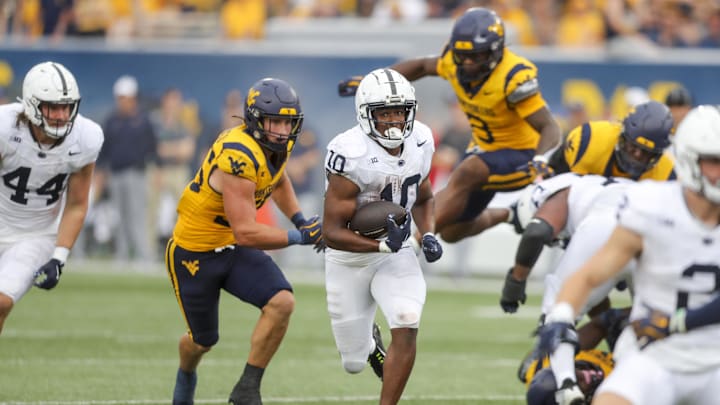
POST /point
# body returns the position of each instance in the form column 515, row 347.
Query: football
column 369, row 220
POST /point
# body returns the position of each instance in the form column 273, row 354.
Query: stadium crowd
column 564, row 23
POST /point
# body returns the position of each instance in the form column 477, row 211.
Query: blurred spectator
column 680, row 103
column 233, row 109
column 453, row 139
column 26, row 18
column 625, row 18
column 577, row 114
column 546, row 14
column 580, row 25
column 92, row 18
column 57, row 15
column 518, row 22
column 122, row 166
column 176, row 142
column 317, row 9
column 365, row 8
column 243, row 19
column 674, row 25
column 399, row 10
column 712, row 36
column 304, row 170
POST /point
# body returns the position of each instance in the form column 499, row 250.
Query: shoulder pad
column 524, row 90
column 351, row 143
column 423, row 135
column 91, row 136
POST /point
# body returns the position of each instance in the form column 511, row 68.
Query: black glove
column 310, row 231
column 397, row 233
column 552, row 334
column 513, row 294
column 432, row 249
column 658, row 325
column 48, row 276
column 539, row 167
column 613, row 321
column 348, row 87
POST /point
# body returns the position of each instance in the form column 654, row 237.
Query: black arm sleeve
column 557, row 160
column 707, row 314
column 536, row 235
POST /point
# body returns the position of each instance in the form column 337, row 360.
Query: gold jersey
column 590, row 149
column 602, row 360
column 498, row 107
column 201, row 224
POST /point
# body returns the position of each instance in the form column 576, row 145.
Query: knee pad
column 207, row 339
column 405, row 315
column 354, row 342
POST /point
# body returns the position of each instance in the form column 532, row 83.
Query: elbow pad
column 537, row 234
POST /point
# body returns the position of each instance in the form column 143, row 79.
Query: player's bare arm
column 340, row 205
column 423, row 210
column 76, row 206
column 284, row 196
column 414, row 69
column 239, row 197
column 544, row 123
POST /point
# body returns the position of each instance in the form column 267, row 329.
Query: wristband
column 294, row 237
column 383, row 247
column 61, row 254
column 428, row 234
column 561, row 312
column 677, row 321
column 298, row 219
column 540, row 158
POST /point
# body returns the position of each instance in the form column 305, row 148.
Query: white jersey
column 679, row 267
column 33, row 179
column 379, row 175
column 587, row 195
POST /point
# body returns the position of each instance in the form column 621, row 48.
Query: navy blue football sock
column 184, row 392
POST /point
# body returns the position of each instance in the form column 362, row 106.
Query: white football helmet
column 384, row 88
column 698, row 135
column 50, row 82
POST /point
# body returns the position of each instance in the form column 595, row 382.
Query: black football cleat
column 377, row 357
column 245, row 396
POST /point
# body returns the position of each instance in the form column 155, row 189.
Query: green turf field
column 111, row 338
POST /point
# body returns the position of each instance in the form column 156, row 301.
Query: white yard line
column 291, row 400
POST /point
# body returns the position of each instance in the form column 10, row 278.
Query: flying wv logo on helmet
column 274, row 99
column 477, row 42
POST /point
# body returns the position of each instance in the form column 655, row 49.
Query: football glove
column 431, row 247
column 513, row 294
column 552, row 334
column 658, row 325
column 48, row 276
column 348, row 87
column 613, row 321
column 311, row 231
column 539, row 167
column 397, row 234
